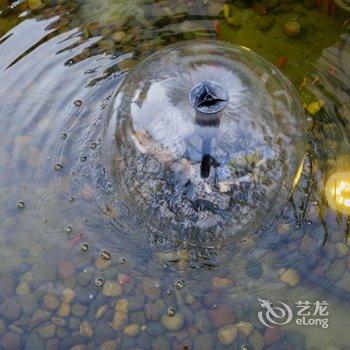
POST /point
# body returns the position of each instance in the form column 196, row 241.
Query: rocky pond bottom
column 79, row 270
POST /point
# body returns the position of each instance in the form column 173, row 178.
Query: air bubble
column 180, row 284
column 84, row 247
column 122, row 260
column 58, row 167
column 78, row 103
column 105, row 255
column 99, row 282
column 20, row 204
column 68, row 229
column 171, row 311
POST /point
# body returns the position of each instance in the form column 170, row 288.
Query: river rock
column 85, row 329
column 10, row 341
column 109, row 345
column 257, row 340
column 10, row 309
column 112, row 289
column 221, row 316
column 245, row 328
column 151, row 288
column 23, row 289
column 265, row 23
column 289, row 276
column 78, row 310
column 204, row 341
column 227, row 334
column 101, row 311
column 34, row 342
column 138, row 317
column 65, row 269
column 155, row 328
column 51, row 302
column 219, row 282
column 272, row 335
column 119, row 320
column 68, row 295
column 136, row 302
column 39, row 317
column 153, row 311
column 291, row 29
column 29, row 304
column 47, row 330
column 132, row 330
column 161, row 343
column 202, row 321
column 173, row 323
column 342, row 249
column 102, row 264
column 64, row 310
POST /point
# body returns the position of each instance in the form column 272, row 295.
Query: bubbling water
column 155, row 143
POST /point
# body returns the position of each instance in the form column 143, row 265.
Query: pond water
column 80, row 270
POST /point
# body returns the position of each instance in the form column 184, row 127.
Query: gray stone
column 78, row 310
column 155, row 328
column 10, row 309
column 204, row 341
column 10, row 341
column 34, row 342
column 202, row 321
column 136, row 302
column 138, row 317
column 161, row 343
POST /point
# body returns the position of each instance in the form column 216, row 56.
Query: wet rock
column 53, row 344
column 10, row 341
column 85, row 277
column 51, row 302
column 74, row 342
column 233, row 22
column 138, row 317
column 221, row 317
column 103, row 332
column 291, row 29
column 112, row 289
column 64, row 310
column 119, row 36
column 297, row 338
column 65, row 269
column 257, row 340
column 202, row 321
column 289, row 276
column 153, row 311
column 245, row 328
column 270, row 3
column 272, row 335
column 132, row 330
column 74, row 324
column 265, row 23
column 204, row 342
column 102, row 264
column 109, row 345
column 78, row 310
column 155, row 328
column 260, row 9
column 161, row 343
column 219, row 282
column 47, row 330
column 254, row 269
column 34, row 342
column 136, row 302
column 227, row 334
column 59, row 321
column 23, row 289
column 10, row 309
column 7, row 284
column 5, row 157
column 29, row 304
column 35, row 4
column 173, row 323
column 336, row 270
column 39, row 317
column 120, row 317
column 101, row 311
column 68, row 295
column 85, row 329
column 151, row 288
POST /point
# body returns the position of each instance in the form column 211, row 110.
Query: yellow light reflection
column 338, row 192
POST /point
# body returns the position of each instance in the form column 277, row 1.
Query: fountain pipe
column 208, row 99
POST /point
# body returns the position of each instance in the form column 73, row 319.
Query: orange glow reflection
column 338, row 192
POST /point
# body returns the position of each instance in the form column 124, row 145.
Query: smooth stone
column 257, row 340
column 270, row 3
column 109, row 345
column 138, row 317
column 29, row 304
column 65, row 269
column 102, row 264
column 342, row 249
column 47, row 330
column 173, row 323
column 64, row 310
column 297, row 338
column 10, row 309
column 23, row 289
column 35, row 4
column 245, row 328
column 132, row 330
column 153, row 311
column 161, row 343
column 103, row 332
column 101, row 311
column 68, row 295
column 227, row 334
column 289, row 276
column 10, row 341
column 219, row 282
column 85, row 329
column 265, row 23
column 155, row 328
column 136, row 302
column 122, row 305
column 221, row 317
column 112, row 289
column 150, row 288
column 202, row 321
column 119, row 320
column 119, row 36
column 272, row 335
column 204, row 341
column 291, row 29
column 85, row 277
column 39, row 317
column 78, row 310
column 34, row 342
column 59, row 321
column 74, row 324
column 51, row 302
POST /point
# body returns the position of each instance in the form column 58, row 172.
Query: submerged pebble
column 292, row 29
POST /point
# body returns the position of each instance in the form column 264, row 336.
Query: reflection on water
column 60, row 63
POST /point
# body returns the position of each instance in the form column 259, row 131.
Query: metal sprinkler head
column 208, row 97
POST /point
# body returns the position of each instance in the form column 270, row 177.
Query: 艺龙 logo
column 274, row 315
